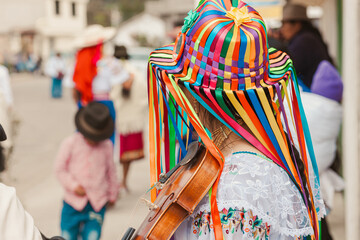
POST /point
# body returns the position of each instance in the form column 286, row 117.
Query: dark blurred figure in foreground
column 305, row 43
column 15, row 222
column 6, row 116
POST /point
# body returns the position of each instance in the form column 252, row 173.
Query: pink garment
column 92, row 167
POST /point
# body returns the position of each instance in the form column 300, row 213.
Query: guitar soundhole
column 170, row 197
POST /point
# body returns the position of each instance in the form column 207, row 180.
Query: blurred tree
column 99, row 11
column 130, row 8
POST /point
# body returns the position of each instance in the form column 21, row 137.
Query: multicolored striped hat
column 221, row 56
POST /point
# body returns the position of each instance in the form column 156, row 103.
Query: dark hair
column 179, row 23
column 307, row 26
column 121, row 52
column 295, row 155
column 125, row 93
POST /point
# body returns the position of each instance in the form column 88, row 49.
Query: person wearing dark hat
column 305, row 44
column 85, row 168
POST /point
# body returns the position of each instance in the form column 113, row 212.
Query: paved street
column 45, row 122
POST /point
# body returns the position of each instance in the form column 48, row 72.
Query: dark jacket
column 307, row 50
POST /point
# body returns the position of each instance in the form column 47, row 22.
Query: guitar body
column 179, row 196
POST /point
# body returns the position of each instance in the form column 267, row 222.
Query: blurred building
column 172, row 12
column 144, row 30
column 39, row 27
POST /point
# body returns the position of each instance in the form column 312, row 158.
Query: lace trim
column 315, row 185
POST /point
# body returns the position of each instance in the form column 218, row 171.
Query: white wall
column 167, row 7
column 351, row 157
column 328, row 27
column 64, row 23
column 20, row 14
column 57, row 31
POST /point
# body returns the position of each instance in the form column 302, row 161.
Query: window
column 73, row 9
column 57, row 7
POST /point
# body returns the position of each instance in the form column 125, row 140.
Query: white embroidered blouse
column 256, row 200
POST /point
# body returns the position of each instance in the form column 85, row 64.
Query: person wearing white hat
column 95, row 71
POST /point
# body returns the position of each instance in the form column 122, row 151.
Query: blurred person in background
column 96, row 71
column 38, row 66
column 130, row 100
column 20, row 60
column 85, row 168
column 323, row 110
column 305, row 43
column 56, row 69
column 322, row 94
column 6, row 115
column 30, row 62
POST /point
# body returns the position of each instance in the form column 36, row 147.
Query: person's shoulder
column 253, row 161
column 72, row 139
column 106, row 143
column 250, row 154
column 310, row 36
column 305, row 38
column 6, row 192
column 3, row 70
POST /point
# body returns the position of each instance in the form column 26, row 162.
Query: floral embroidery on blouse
column 233, row 220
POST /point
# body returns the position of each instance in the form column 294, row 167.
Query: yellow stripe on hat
column 282, row 82
column 276, row 131
column 246, row 118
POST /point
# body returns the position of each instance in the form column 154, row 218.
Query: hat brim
column 167, row 59
column 105, row 35
column 91, row 133
column 294, row 18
